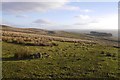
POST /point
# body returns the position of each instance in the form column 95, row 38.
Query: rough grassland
column 67, row 60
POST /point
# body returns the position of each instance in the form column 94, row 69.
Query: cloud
column 109, row 21
column 86, row 10
column 22, row 16
column 43, row 6
column 84, row 17
column 67, row 7
column 80, row 23
column 59, row 0
column 72, row 8
column 43, row 22
column 84, row 20
column 22, row 7
column 18, row 8
column 5, row 22
column 34, row 0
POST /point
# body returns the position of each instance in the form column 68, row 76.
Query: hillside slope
column 62, row 56
column 58, row 35
column 37, row 37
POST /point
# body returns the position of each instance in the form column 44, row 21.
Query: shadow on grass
column 13, row 59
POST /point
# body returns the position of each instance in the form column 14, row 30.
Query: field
column 67, row 57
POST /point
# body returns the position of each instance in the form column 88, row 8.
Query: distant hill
column 102, row 34
column 24, row 30
column 42, row 32
column 62, row 35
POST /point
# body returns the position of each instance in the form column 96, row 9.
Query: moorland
column 63, row 54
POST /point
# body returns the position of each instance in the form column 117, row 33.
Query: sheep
column 46, row 55
column 36, row 55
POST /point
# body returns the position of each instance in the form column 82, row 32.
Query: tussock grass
column 67, row 60
column 62, row 57
column 22, row 53
column 36, row 40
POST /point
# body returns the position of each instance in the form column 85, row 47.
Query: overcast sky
column 61, row 15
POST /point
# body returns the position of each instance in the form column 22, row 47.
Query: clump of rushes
column 22, row 53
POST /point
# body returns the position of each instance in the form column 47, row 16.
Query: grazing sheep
column 39, row 55
column 36, row 55
column 46, row 55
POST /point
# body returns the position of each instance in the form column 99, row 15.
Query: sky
column 60, row 15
